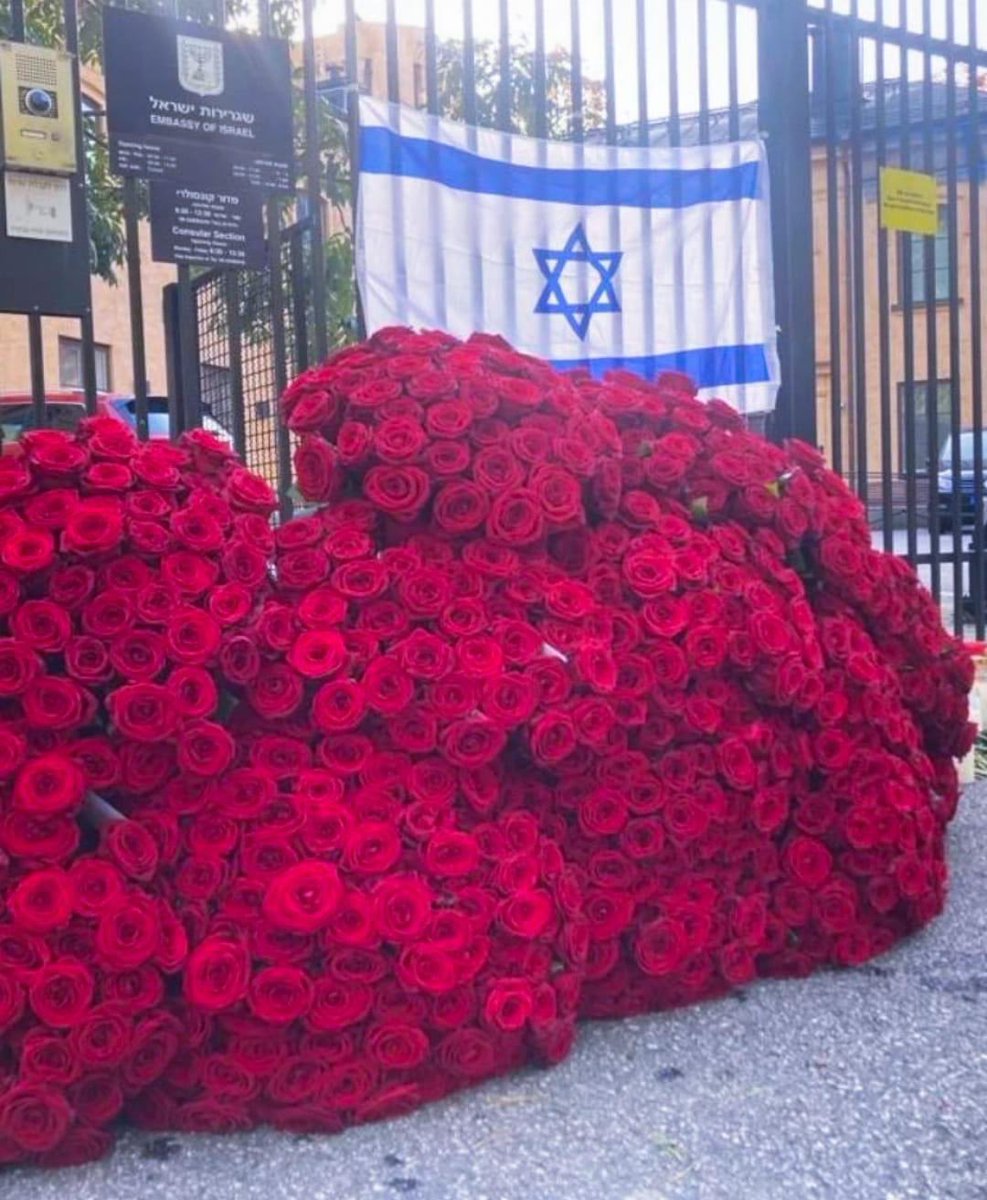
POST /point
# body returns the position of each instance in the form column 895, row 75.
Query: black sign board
column 189, row 103
column 216, row 229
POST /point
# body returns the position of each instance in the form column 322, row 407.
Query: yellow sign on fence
column 909, row 201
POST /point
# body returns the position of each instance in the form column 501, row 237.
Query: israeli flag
column 650, row 259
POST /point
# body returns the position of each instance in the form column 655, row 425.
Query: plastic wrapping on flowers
column 571, row 698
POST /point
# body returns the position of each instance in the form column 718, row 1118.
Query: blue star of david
column 553, row 300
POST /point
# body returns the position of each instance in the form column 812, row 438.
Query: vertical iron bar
column 610, row 73
column 540, row 80
column 504, row 81
column 469, row 65
column 931, row 322
column 783, row 106
column 36, row 355
column 70, row 17
column 703, row 54
column 231, row 282
column 353, row 134
column 642, row 75
column 733, row 84
column 576, row 74
column 134, row 286
column 644, row 139
column 431, row 60
column 313, row 171
column 833, row 98
column 859, row 320
column 672, row 34
column 299, row 308
column 34, row 329
column 955, row 384
column 977, row 564
column 391, row 42
column 909, row 460
column 191, row 367
column 278, row 338
column 883, row 315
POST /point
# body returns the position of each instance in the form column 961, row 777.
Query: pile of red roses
column 569, row 697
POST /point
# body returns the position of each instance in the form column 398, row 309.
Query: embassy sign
column 193, row 104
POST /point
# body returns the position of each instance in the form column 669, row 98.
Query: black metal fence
column 899, row 378
column 879, row 332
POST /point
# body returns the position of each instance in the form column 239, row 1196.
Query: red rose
column 51, row 783
column 128, row 933
column 249, row 493
column 516, row 518
column 43, row 900
column 315, row 468
column 146, row 712
column 61, row 992
column 460, row 507
column 471, row 742
column 528, row 913
column 217, row 974
column 339, row 705
column 402, row 906
column 372, row 847
column 279, row 995
column 93, row 527
column 193, row 636
column 317, row 653
column 337, row 1004
column 205, row 748
column 55, row 703
column 509, row 1004
column 808, row 861
column 41, row 625
column 399, row 491
column 553, row 737
column 304, row 896
column 132, row 849
column 661, row 946
column 34, row 1116
column 396, row 1046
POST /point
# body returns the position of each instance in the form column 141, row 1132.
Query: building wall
column 111, row 316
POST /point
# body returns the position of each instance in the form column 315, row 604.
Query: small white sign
column 38, row 207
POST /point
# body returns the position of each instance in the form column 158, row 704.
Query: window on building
column 919, row 397
column 419, row 76
column 367, row 83
column 934, row 286
column 70, row 372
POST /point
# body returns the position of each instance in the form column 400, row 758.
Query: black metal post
column 313, row 170
column 783, row 70
column 138, row 356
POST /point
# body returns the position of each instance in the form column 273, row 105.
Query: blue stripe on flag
column 714, row 366
column 384, row 152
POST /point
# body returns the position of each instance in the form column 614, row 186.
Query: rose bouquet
column 568, row 697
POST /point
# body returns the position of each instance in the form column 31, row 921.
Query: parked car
column 64, row 410
column 964, row 483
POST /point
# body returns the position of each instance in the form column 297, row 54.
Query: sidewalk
column 862, row 1085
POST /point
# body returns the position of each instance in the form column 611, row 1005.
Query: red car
column 64, row 410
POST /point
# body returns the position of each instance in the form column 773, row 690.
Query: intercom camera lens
column 39, row 103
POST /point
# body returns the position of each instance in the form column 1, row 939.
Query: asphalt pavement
column 869, row 1084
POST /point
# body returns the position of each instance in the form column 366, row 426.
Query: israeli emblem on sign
column 200, row 65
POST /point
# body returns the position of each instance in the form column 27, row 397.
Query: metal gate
column 899, row 317
column 879, row 332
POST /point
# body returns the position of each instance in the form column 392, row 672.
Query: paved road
column 865, row 1085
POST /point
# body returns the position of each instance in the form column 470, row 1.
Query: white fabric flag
column 647, row 258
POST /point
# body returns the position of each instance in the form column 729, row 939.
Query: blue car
column 964, row 483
